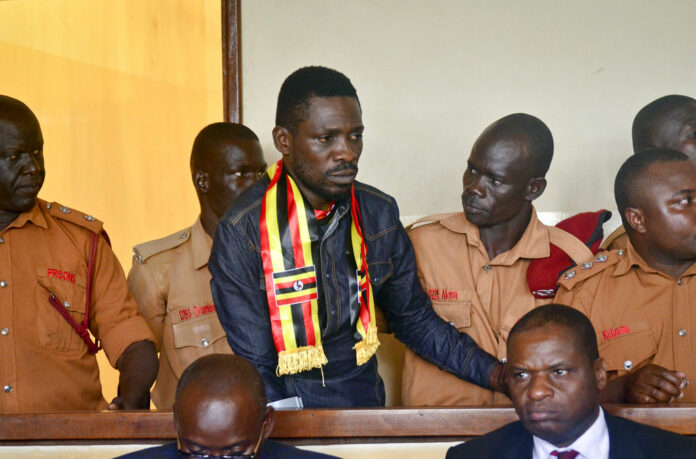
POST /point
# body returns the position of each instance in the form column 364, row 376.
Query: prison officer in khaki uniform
column 474, row 264
column 641, row 300
column 667, row 122
column 45, row 253
column 169, row 277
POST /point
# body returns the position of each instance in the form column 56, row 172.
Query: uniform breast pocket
column 630, row 350
column 195, row 338
column 68, row 290
column 456, row 312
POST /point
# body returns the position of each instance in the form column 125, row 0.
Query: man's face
column 236, row 166
column 323, row 153
column 682, row 131
column 495, row 181
column 217, row 425
column 668, row 204
column 21, row 163
column 553, row 386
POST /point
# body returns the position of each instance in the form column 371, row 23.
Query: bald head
column 21, row 159
column 529, row 132
column 668, row 122
column 226, row 159
column 220, row 406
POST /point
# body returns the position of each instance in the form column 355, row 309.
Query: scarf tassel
column 301, row 359
column 366, row 347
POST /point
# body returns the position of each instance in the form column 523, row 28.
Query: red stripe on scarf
column 294, row 226
column 355, row 213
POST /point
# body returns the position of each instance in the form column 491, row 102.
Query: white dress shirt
column 593, row 444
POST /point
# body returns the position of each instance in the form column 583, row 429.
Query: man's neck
column 500, row 238
column 209, row 221
column 659, row 260
column 6, row 218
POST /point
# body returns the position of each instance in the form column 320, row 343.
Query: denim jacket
column 240, row 298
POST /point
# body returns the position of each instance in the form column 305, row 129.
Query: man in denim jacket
column 319, row 133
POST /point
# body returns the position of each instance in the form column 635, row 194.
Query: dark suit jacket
column 271, row 450
column 627, row 440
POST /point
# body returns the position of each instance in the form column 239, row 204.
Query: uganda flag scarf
column 289, row 243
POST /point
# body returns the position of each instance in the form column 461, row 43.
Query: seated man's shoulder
column 72, row 218
column 506, row 442
column 652, row 442
column 168, row 450
column 602, row 263
column 155, row 249
column 431, row 224
column 277, row 450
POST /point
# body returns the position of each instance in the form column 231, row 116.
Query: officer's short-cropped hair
column 580, row 329
column 649, row 123
column 626, row 193
column 302, row 85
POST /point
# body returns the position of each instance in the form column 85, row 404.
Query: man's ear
column 268, row 422
column 635, row 218
column 282, row 139
column 201, row 181
column 535, row 188
column 600, row 370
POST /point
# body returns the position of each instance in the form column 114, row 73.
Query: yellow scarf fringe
column 300, row 359
column 366, row 348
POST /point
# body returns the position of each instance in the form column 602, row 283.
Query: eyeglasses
column 251, row 455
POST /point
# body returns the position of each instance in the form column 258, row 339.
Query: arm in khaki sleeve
column 147, row 292
column 127, row 339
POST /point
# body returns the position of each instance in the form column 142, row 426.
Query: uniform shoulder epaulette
column 142, row 252
column 75, row 217
column 429, row 219
column 617, row 233
column 584, row 271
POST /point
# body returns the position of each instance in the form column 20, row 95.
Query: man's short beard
column 318, row 188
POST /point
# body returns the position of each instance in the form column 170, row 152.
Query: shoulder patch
column 64, row 213
column 429, row 219
column 142, row 252
column 589, row 268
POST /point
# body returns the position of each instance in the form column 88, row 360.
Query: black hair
column 302, row 85
column 580, row 329
column 538, row 135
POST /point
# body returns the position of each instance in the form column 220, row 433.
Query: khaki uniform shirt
column 171, row 284
column 482, row 298
column 44, row 364
column 640, row 315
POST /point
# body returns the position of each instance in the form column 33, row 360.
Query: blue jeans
column 361, row 386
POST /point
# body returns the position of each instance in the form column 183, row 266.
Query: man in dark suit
column 220, row 411
column 554, row 375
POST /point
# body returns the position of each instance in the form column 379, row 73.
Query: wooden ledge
column 359, row 424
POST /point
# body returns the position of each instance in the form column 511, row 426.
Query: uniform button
column 504, row 360
column 682, row 332
column 686, row 383
column 5, row 331
column 64, row 209
column 7, row 388
column 66, row 304
column 487, row 268
column 3, row 284
column 628, row 365
column 451, row 323
column 183, row 235
column 328, row 276
column 89, row 218
column 679, row 281
column 205, row 342
column 2, row 241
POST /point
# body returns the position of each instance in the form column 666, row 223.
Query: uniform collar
column 632, row 258
column 35, row 216
column 534, row 242
column 201, row 244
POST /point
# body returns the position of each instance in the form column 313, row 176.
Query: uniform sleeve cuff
column 479, row 368
column 129, row 331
